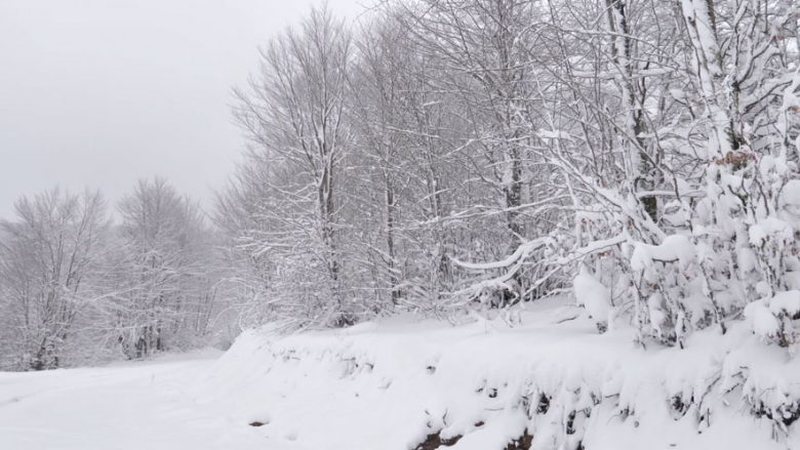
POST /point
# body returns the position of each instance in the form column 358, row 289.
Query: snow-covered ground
column 142, row 406
column 389, row 385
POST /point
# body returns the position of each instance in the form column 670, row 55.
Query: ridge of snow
column 387, row 385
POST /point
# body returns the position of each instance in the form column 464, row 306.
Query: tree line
column 445, row 155
column 77, row 287
column 439, row 155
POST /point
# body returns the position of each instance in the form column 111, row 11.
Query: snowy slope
column 389, row 385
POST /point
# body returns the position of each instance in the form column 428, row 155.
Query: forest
column 446, row 158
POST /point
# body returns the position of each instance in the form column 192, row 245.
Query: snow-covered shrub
column 773, row 318
column 723, row 232
column 599, row 286
column 594, row 296
column 668, row 288
column 554, row 383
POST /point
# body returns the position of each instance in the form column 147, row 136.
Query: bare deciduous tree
column 294, row 114
column 49, row 261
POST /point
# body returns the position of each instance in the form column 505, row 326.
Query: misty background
column 100, row 93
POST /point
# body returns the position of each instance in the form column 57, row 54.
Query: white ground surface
column 386, row 385
column 142, row 406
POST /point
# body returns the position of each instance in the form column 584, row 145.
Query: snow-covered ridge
column 390, row 384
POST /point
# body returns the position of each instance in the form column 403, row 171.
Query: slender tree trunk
column 640, row 163
column 390, row 251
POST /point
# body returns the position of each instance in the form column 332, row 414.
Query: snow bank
column 482, row 385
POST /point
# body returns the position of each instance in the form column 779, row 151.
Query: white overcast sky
column 99, row 93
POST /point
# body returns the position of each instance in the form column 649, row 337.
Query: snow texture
column 388, row 385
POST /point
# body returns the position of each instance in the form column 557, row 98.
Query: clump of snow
column 593, row 295
column 675, row 248
column 786, row 303
column 773, row 227
column 761, row 320
column 747, row 259
column 554, row 134
column 771, row 318
column 790, row 198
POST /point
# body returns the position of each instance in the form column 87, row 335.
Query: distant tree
column 163, row 280
column 49, row 273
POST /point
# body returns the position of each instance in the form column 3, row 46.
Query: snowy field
column 390, row 385
column 143, row 406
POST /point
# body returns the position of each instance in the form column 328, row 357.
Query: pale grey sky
column 99, row 93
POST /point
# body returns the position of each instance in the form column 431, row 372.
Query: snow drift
column 484, row 385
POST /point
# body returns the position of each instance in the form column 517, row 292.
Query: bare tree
column 164, row 288
column 49, row 260
column 294, row 114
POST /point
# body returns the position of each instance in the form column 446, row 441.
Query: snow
column 593, row 295
column 747, row 259
column 790, row 198
column 132, row 406
column 765, row 316
column 786, row 302
column 554, row 134
column 771, row 226
column 761, row 320
column 674, row 248
column 389, row 384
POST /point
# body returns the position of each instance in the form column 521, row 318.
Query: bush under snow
column 483, row 385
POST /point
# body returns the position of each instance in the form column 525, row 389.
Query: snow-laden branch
column 522, row 252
